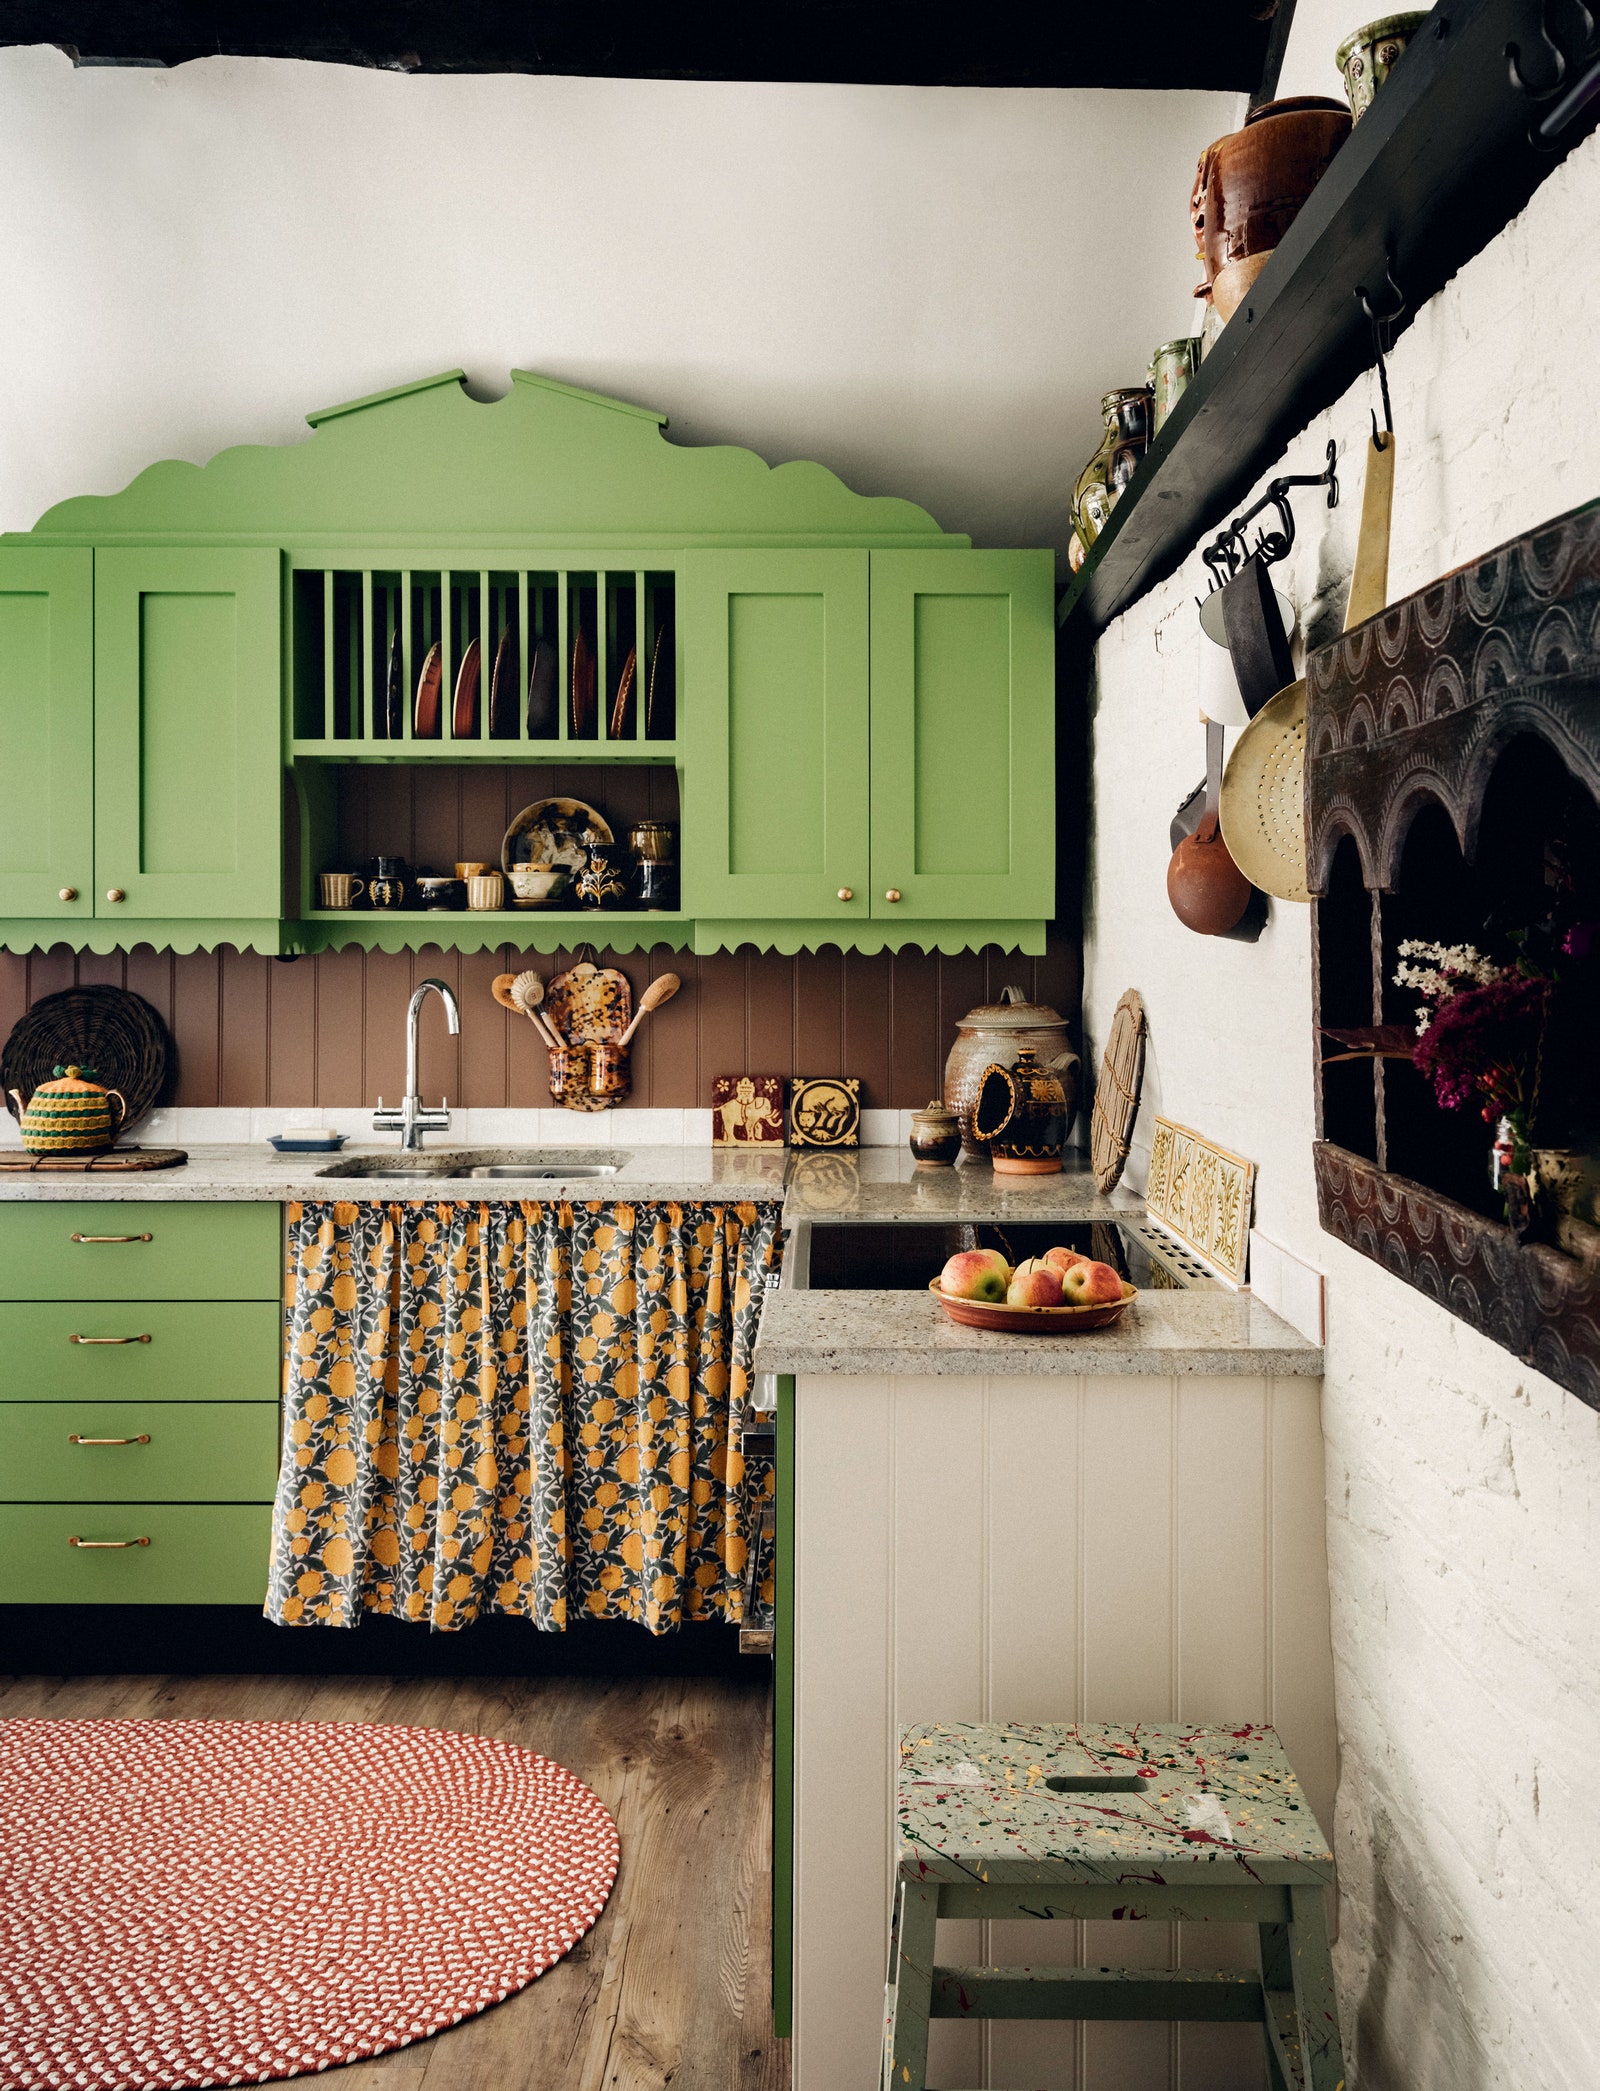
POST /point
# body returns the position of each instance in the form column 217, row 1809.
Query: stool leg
column 905, row 2018
column 1316, row 2005
column 1277, row 1982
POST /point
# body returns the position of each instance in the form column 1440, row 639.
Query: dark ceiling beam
column 936, row 43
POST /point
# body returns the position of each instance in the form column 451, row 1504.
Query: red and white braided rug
column 228, row 1902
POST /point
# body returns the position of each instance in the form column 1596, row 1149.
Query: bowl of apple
column 1060, row 1293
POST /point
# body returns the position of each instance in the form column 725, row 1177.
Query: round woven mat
column 229, row 1902
column 1116, row 1094
column 109, row 1029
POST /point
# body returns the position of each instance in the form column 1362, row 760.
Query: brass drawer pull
column 110, row 1545
column 108, row 1339
column 110, row 1237
column 142, row 1439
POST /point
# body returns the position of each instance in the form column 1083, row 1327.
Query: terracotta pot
column 1021, row 1116
column 1233, row 281
column 997, row 1033
column 1207, row 889
column 1250, row 186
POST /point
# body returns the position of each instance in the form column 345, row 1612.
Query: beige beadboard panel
column 329, row 1030
column 1069, row 1549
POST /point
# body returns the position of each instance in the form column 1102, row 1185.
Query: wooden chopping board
column 114, row 1161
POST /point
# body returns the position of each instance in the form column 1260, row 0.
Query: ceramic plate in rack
column 660, row 692
column 1034, row 1321
column 503, row 689
column 464, row 711
column 621, row 711
column 551, row 832
column 543, row 709
column 585, row 690
column 425, row 716
column 393, row 723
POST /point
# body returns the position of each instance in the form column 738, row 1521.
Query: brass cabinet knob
column 115, row 893
column 893, row 893
column 69, row 893
column 847, row 893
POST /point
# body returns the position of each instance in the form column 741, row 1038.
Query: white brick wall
column 1463, row 1490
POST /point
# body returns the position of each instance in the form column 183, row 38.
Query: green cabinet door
column 774, row 734
column 963, row 735
column 46, row 731
column 188, row 764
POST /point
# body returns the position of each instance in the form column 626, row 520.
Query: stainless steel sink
column 496, row 1164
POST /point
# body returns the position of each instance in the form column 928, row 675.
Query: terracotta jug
column 1250, row 186
column 71, row 1115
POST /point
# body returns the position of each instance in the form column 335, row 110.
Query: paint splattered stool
column 1194, row 1823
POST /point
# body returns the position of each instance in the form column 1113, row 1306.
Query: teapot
column 71, row 1115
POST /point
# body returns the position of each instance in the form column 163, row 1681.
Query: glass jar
column 1127, row 437
column 1171, row 368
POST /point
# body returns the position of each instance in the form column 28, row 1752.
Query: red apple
column 976, row 1274
column 1091, row 1285
column 1034, row 1284
column 1063, row 1259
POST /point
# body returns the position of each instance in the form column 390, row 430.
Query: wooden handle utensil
column 659, row 991
column 511, row 992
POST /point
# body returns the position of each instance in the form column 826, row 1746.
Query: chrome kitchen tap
column 413, row 1119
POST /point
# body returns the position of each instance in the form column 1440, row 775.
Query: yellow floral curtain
column 519, row 1407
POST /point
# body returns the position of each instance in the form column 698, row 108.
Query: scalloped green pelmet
column 943, row 801
column 428, row 464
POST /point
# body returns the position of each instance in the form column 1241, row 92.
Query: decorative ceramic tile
column 747, row 1110
column 1202, row 1193
column 825, row 1111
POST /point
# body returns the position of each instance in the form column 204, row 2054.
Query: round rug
column 228, row 1902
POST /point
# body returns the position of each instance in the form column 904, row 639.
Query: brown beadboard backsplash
column 330, row 1030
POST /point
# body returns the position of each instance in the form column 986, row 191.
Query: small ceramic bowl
column 442, row 894
column 537, row 885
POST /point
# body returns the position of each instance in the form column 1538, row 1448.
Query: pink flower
column 1480, row 1044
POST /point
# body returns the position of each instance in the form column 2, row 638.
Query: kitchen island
column 1122, row 1525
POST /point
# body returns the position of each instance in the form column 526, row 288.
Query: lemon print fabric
column 522, row 1408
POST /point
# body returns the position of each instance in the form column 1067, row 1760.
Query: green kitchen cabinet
column 134, row 1250
column 134, row 1553
column 138, row 1451
column 46, row 731
column 775, row 732
column 188, row 769
column 963, row 735
column 194, row 1350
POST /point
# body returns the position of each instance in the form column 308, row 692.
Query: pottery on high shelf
column 1126, row 413
column 1171, row 368
column 1251, row 185
column 997, row 1033
column 1021, row 1116
column 1368, row 55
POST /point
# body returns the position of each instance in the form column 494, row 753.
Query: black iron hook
column 1229, row 548
column 1545, row 134
column 1383, row 325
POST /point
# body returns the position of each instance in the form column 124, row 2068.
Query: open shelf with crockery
column 459, row 659
column 435, row 815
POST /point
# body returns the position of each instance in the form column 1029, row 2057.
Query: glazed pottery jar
column 603, row 880
column 935, row 1135
column 996, row 1034
column 1368, row 55
column 1021, row 1116
column 1171, row 368
column 71, row 1115
column 1126, row 413
column 1250, row 186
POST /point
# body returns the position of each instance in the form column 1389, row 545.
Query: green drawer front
column 198, row 1554
column 198, row 1351
column 195, row 1252
column 196, row 1452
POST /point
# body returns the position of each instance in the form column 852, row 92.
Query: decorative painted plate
column 392, row 725
column 551, row 831
column 464, row 711
column 425, row 716
column 585, row 687
column 1034, row 1321
column 543, row 709
column 621, row 711
column 589, row 1005
column 503, row 689
column 658, row 699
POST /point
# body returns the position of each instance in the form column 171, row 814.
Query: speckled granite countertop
column 908, row 1334
column 871, row 1184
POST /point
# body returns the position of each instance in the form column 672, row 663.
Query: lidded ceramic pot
column 1250, row 186
column 935, row 1136
column 71, row 1115
column 1021, row 1117
column 994, row 1035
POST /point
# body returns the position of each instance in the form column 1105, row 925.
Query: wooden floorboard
column 672, row 1987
